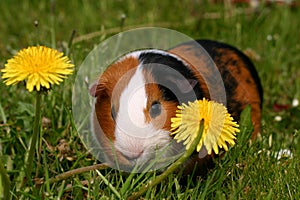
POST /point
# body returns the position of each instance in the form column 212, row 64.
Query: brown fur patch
column 246, row 91
column 109, row 88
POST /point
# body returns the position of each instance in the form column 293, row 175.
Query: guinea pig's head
column 136, row 97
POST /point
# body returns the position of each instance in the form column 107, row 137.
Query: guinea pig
column 137, row 96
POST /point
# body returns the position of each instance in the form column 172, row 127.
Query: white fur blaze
column 135, row 138
column 131, row 129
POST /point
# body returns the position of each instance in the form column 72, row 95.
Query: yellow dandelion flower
column 219, row 128
column 39, row 66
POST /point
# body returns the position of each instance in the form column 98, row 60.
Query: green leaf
column 1, row 188
column 2, row 114
column 4, row 183
column 26, row 108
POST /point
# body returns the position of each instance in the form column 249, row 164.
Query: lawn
column 251, row 170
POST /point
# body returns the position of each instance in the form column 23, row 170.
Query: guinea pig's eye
column 155, row 109
column 113, row 112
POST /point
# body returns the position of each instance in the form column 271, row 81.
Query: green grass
column 249, row 171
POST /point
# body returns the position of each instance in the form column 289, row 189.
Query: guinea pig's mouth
column 148, row 159
column 144, row 153
column 132, row 156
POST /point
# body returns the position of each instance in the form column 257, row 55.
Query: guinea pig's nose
column 132, row 155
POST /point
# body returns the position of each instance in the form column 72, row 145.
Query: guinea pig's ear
column 97, row 89
column 184, row 85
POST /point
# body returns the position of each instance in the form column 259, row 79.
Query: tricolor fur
column 138, row 95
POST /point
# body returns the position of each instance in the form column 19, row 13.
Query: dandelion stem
column 36, row 128
column 172, row 167
column 73, row 172
column 5, row 183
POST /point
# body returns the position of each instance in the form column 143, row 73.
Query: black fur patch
column 165, row 68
